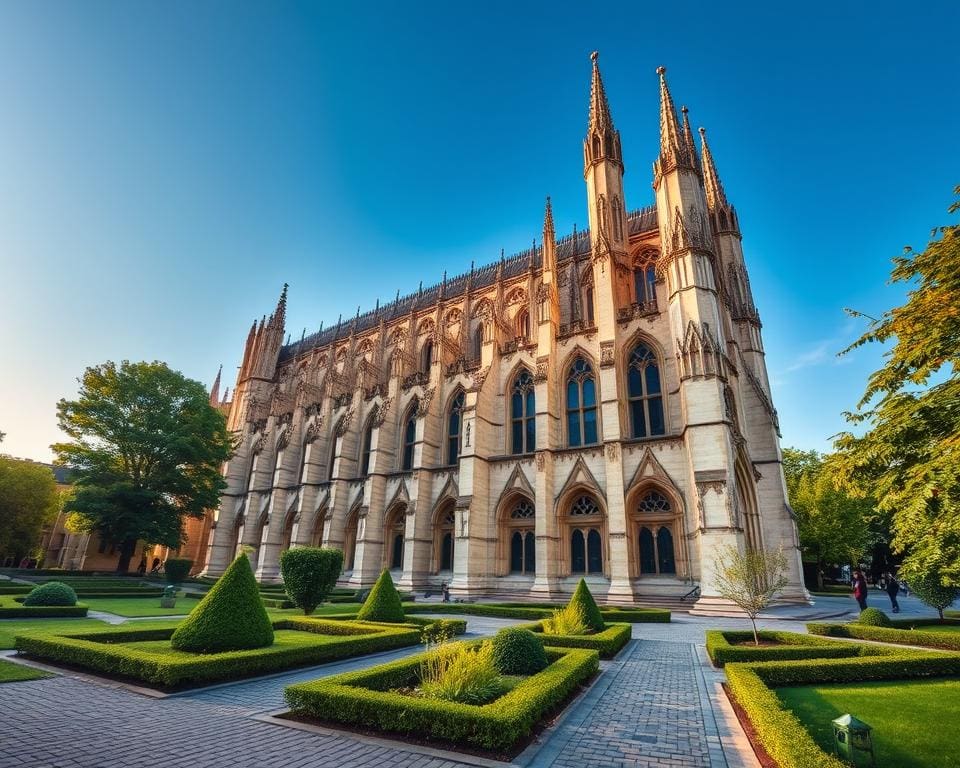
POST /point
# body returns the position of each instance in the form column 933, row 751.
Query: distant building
column 597, row 406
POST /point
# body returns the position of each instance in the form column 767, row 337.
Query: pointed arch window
column 585, row 523
column 277, row 466
column 588, row 300
column 655, row 520
column 426, row 356
column 253, row 471
column 454, row 425
column 409, row 440
column 523, row 325
column 645, row 284
column 305, row 461
column 644, row 393
column 394, row 538
column 333, row 455
column 365, row 449
column 523, row 543
column 523, row 418
column 581, row 405
column 443, row 542
column 617, row 215
column 478, row 340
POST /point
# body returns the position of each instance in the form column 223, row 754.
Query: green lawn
column 282, row 639
column 907, row 718
column 142, row 606
column 939, row 628
column 12, row 627
column 14, row 673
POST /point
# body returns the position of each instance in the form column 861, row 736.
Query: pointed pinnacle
column 669, row 130
column 548, row 231
column 711, row 179
column 600, row 119
column 690, row 146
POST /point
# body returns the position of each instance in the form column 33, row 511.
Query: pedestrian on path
column 892, row 589
column 860, row 589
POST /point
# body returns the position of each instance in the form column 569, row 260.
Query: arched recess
column 746, row 510
column 444, row 535
column 643, row 389
column 454, row 425
column 394, row 530
column 319, row 521
column 366, row 439
column 588, row 298
column 584, row 534
column 516, row 536
column 408, row 436
column 655, row 531
column 349, row 539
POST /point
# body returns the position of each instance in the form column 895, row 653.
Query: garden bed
column 369, row 699
column 900, row 633
column 725, row 647
column 145, row 655
column 608, row 643
column 539, row 611
column 10, row 609
column 783, row 735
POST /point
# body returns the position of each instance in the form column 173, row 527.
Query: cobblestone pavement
column 656, row 705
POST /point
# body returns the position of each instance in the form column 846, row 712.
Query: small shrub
column 383, row 602
column 176, row 569
column 439, row 632
column 566, row 621
column 874, row 617
column 309, row 573
column 456, row 672
column 51, row 593
column 588, row 606
column 518, row 652
column 230, row 617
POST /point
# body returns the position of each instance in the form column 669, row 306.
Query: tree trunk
column 126, row 555
column 756, row 637
column 940, row 611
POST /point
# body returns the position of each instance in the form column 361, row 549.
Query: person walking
column 142, row 568
column 893, row 587
column 860, row 589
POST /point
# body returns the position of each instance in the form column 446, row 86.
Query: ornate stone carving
column 423, row 405
column 257, row 444
column 382, row 411
column 541, row 458
column 343, row 426
column 480, row 376
column 516, row 296
column 606, row 354
column 543, row 364
column 284, row 440
column 612, row 451
column 313, row 431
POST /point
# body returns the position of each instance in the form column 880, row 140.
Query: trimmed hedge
column 383, row 602
column 104, row 652
column 781, row 732
column 364, row 698
column 230, row 617
column 588, row 606
column 51, row 593
column 15, row 589
column 792, row 646
column 309, row 573
column 607, row 643
column 539, row 611
column 518, row 651
column 873, row 617
column 43, row 611
column 901, row 636
column 176, row 569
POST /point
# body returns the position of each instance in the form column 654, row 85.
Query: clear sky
column 166, row 166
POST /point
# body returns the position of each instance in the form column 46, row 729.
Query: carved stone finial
column 594, row 56
column 661, row 71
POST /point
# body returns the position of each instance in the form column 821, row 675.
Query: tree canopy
column 908, row 456
column 146, row 450
column 28, row 499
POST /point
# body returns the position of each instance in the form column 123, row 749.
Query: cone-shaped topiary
column 231, row 616
column 591, row 613
column 383, row 602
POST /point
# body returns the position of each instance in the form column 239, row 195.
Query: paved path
column 657, row 705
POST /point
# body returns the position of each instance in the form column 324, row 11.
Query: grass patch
column 725, row 647
column 368, row 699
column 906, row 717
column 144, row 654
column 29, row 627
column 928, row 633
column 11, row 609
column 15, row 673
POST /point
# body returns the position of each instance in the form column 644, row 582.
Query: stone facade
column 595, row 406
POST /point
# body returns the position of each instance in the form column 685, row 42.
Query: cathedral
column 595, row 407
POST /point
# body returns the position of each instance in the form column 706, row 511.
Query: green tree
column 835, row 526
column 28, row 499
column 908, row 455
column 146, row 450
column 929, row 588
column 310, row 574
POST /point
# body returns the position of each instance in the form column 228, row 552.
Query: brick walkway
column 651, row 707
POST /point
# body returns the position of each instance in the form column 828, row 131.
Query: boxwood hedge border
column 103, row 652
column 780, row 732
column 793, row 646
column 535, row 611
column 900, row 634
column 43, row 611
column 607, row 643
column 363, row 699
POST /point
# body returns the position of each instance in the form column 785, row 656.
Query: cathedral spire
column 716, row 197
column 549, row 244
column 600, row 119
column 280, row 315
column 669, row 130
column 689, row 145
column 215, row 389
column 548, row 231
column 602, row 141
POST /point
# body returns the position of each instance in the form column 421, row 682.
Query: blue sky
column 165, row 167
